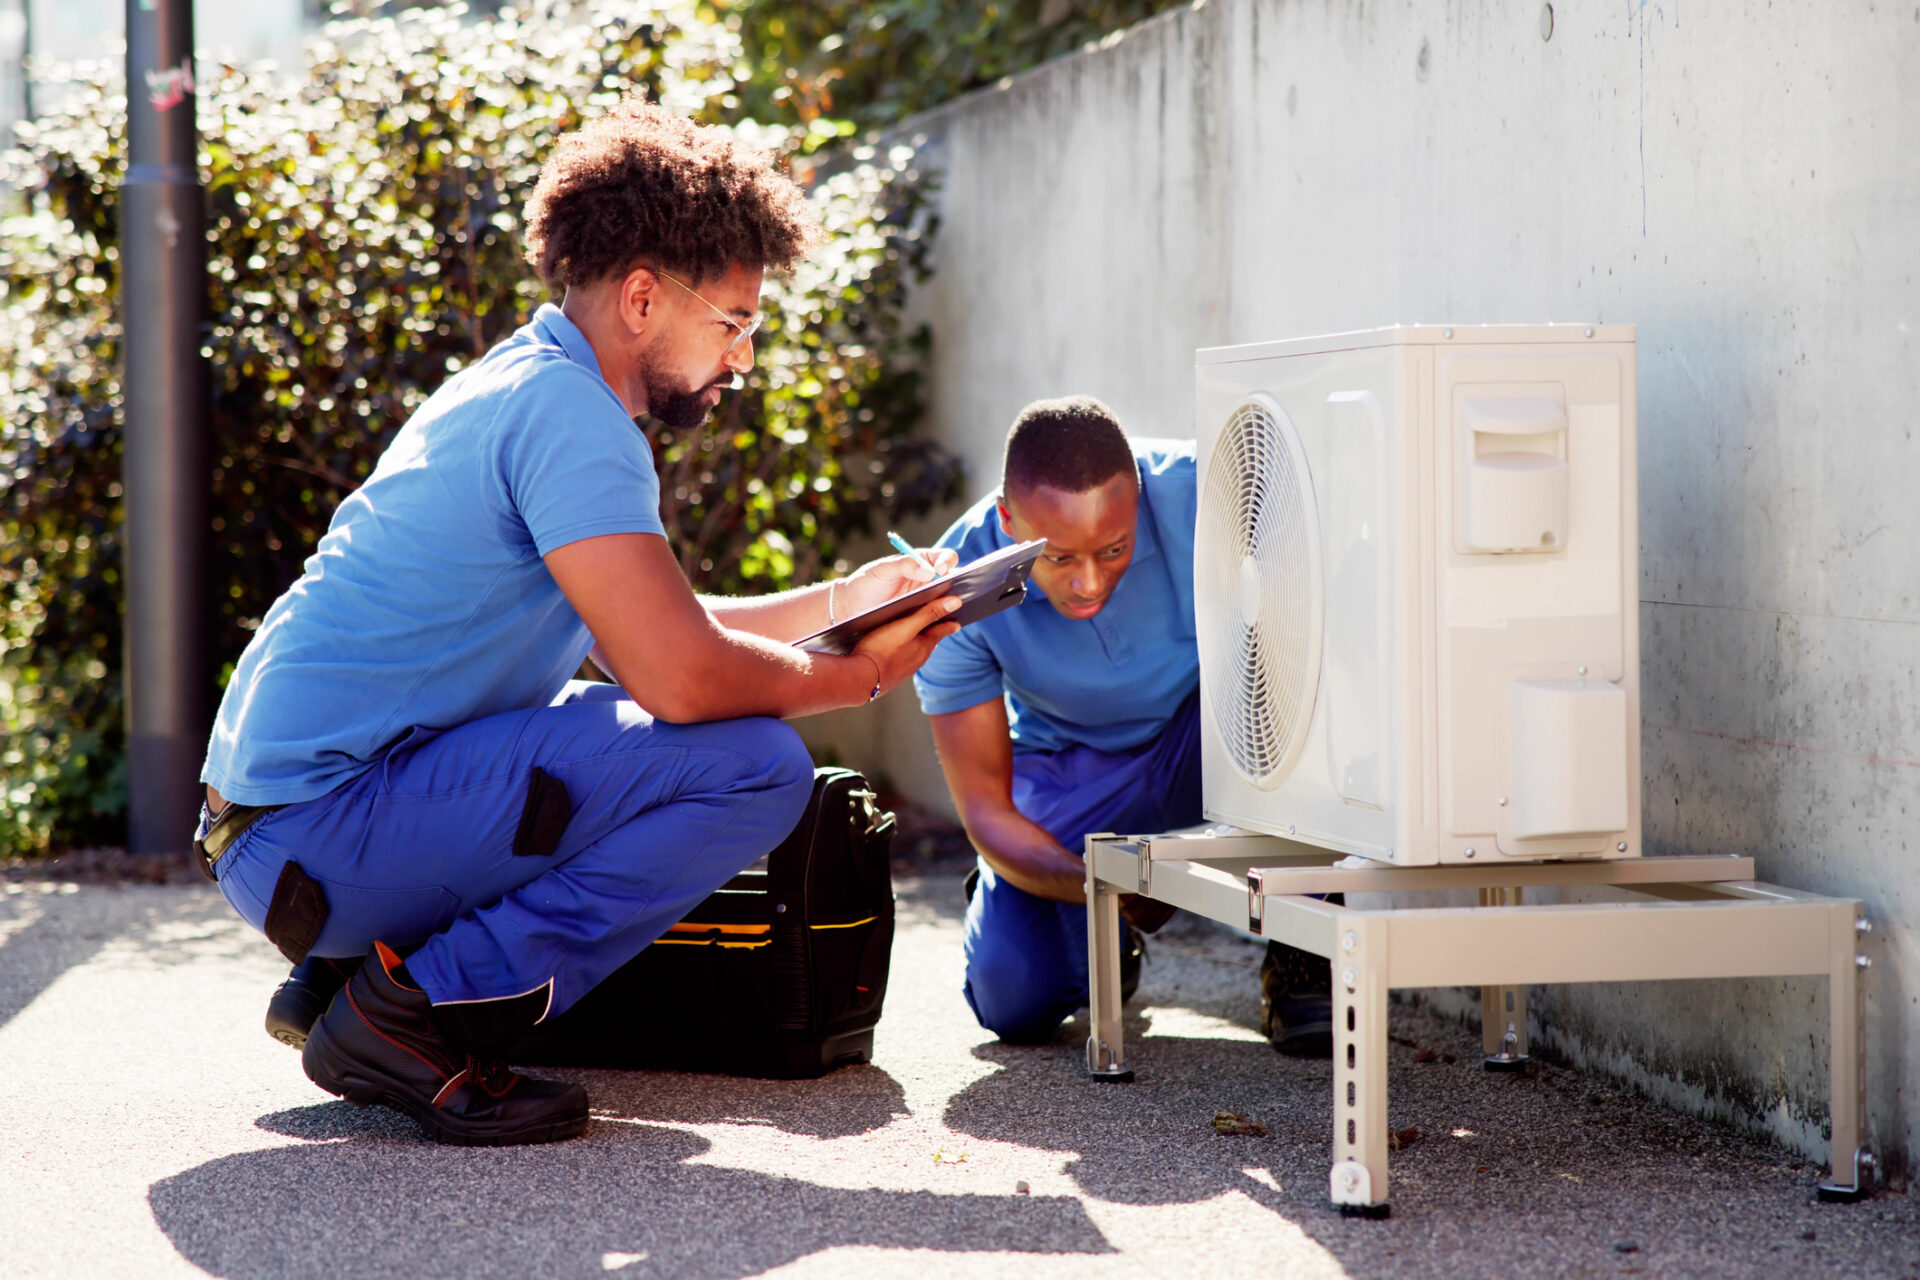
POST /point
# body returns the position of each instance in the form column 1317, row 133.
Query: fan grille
column 1258, row 560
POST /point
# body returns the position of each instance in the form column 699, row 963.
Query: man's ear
column 1006, row 517
column 639, row 297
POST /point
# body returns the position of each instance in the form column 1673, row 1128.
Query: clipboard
column 990, row 584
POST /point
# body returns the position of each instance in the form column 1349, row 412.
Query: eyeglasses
column 747, row 330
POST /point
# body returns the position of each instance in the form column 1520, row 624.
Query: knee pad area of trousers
column 774, row 746
column 1029, row 1025
column 1012, row 1001
column 794, row 763
column 776, row 779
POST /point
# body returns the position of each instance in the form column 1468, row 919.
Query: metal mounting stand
column 1696, row 918
column 1503, row 1010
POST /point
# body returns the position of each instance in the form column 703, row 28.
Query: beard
column 675, row 406
column 683, row 411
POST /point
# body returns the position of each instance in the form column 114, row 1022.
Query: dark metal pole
column 163, row 291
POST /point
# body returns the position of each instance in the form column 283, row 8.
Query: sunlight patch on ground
column 620, row 1261
column 1264, row 1177
column 1234, row 1234
column 909, row 1154
column 1165, row 1020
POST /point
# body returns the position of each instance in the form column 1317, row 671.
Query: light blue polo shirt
column 427, row 602
column 1111, row 681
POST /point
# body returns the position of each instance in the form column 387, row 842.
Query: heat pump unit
column 1416, row 576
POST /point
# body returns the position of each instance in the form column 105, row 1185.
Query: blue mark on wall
column 1638, row 30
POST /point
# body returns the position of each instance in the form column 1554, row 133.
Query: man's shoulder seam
column 524, row 391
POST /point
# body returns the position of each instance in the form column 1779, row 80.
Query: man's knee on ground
column 1012, row 999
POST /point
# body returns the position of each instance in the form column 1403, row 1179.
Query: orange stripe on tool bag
column 710, row 935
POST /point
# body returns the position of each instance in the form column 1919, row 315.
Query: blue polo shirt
column 427, row 602
column 1111, row 681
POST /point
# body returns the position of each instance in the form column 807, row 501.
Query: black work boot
column 304, row 996
column 379, row 1043
column 1133, row 958
column 1296, row 1001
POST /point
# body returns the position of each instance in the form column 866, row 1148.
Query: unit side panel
column 1538, row 689
column 1630, row 570
column 1418, row 571
column 1343, row 790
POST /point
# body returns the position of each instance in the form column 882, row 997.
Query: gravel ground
column 155, row 1129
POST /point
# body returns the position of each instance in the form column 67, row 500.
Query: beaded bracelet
column 875, row 691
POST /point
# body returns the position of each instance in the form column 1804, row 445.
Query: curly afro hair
column 642, row 186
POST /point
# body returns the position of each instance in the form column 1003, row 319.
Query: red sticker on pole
column 169, row 88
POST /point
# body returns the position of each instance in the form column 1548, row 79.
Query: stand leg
column 1358, row 1181
column 1850, row 1174
column 1106, row 1046
column 1503, row 1010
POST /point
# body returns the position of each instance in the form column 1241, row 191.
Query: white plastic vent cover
column 1258, row 545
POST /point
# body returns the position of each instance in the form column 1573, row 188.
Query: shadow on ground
column 39, row 952
column 1583, row 1179
column 45, row 930
column 848, row 1101
column 1150, row 1142
column 362, row 1197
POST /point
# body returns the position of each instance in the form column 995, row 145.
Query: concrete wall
column 1740, row 180
column 242, row 31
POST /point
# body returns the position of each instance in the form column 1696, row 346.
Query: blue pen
column 905, row 548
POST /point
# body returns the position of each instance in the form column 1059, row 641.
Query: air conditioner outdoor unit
column 1416, row 584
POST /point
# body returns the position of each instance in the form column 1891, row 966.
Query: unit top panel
column 1419, row 335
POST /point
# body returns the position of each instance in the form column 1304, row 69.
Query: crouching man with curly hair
column 406, row 790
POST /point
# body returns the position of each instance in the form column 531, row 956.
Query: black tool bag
column 781, row 973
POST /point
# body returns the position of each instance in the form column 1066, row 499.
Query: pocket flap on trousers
column 544, row 819
column 297, row 913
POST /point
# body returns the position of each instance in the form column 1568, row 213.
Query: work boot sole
column 1133, row 960
column 1301, row 1026
column 366, row 1086
column 1309, row 1040
column 292, row 1012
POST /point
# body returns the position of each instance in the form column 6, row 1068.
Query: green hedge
column 875, row 61
column 363, row 238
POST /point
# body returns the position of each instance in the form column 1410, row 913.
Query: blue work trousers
column 418, row 850
column 1027, row 956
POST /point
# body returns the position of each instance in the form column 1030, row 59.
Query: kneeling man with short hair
column 1078, row 711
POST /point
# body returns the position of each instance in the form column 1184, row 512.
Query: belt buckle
column 200, row 833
